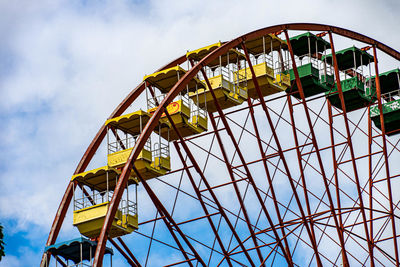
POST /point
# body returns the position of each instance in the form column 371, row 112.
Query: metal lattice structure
column 287, row 154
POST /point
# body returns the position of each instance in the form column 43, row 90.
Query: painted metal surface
column 178, row 87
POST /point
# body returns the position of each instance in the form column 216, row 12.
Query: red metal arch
column 179, row 86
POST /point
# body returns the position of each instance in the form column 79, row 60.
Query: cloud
column 65, row 65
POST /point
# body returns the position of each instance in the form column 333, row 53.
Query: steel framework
column 277, row 180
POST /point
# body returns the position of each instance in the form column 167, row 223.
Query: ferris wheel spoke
column 231, row 175
column 268, row 176
column 227, row 128
column 206, row 183
column 242, row 131
column 279, row 180
column 281, row 155
column 315, row 145
column 203, row 205
column 343, row 106
column 220, row 209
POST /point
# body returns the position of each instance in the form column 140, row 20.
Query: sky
column 65, row 66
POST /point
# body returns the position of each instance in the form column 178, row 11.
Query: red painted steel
column 303, row 180
column 267, row 173
column 214, row 229
column 120, row 250
column 220, row 208
column 179, row 86
column 129, row 251
column 335, row 168
column 315, row 144
column 87, row 157
column 350, row 144
column 384, row 150
column 281, row 155
column 237, row 191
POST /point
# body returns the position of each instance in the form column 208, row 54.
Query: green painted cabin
column 390, row 87
column 308, row 44
column 391, row 116
column 357, row 92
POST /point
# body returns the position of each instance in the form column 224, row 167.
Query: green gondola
column 358, row 92
column 311, row 46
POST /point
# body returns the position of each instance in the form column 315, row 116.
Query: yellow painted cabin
column 165, row 79
column 101, row 179
column 133, row 123
column 227, row 94
column 89, row 221
column 180, row 109
column 144, row 163
column 186, row 124
column 269, row 84
column 262, row 49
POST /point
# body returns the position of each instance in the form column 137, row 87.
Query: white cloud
column 65, row 65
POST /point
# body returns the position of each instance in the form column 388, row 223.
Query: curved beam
column 87, row 157
column 178, row 87
column 181, row 84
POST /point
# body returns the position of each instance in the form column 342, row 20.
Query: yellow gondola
column 89, row 221
column 269, row 82
column 166, row 79
column 185, row 119
column 229, row 92
column 133, row 124
column 188, row 123
column 88, row 216
column 101, row 179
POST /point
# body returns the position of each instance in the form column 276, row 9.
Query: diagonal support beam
column 235, row 186
column 385, row 154
column 187, row 150
column 130, row 261
column 249, row 176
column 339, row 227
column 199, row 196
column 280, row 151
column 299, row 161
column 350, row 144
column 268, row 175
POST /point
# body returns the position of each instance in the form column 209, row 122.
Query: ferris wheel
column 277, row 148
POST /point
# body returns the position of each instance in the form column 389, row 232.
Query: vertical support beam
column 384, row 148
column 339, row 228
column 220, row 208
column 335, row 171
column 350, row 144
column 249, row 176
column 300, row 163
column 282, row 156
column 370, row 181
column 235, row 186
